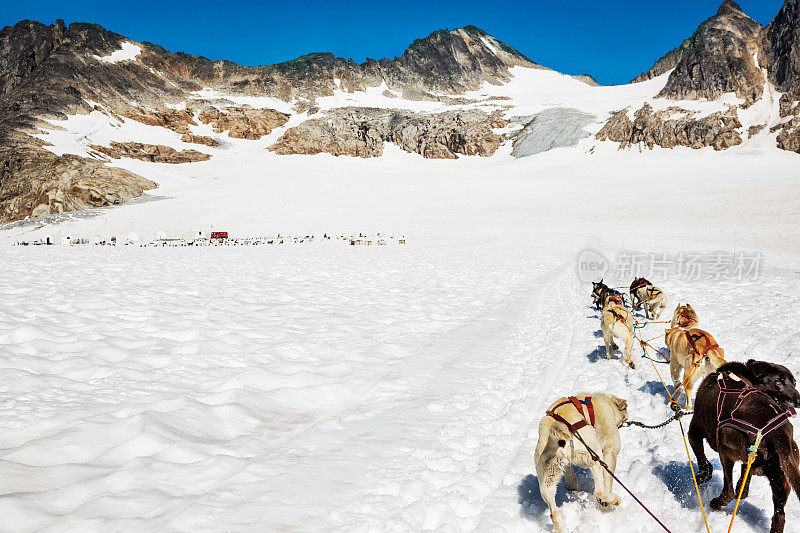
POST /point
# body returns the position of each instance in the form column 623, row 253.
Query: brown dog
column 685, row 317
column 727, row 411
column 693, row 352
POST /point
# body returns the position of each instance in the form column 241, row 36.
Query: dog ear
column 758, row 368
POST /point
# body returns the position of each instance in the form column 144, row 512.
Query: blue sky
column 613, row 41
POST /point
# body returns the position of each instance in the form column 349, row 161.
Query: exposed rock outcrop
column 672, row 127
column 552, row 128
column 361, row 132
column 37, row 182
column 719, row 58
column 176, row 120
column 781, row 45
column 243, row 122
column 199, row 139
column 154, row 153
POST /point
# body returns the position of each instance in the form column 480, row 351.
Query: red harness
column 578, row 404
column 693, row 338
column 685, row 319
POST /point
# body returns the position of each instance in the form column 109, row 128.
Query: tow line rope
column 677, row 416
column 674, row 406
column 596, row 457
column 751, row 456
column 694, row 478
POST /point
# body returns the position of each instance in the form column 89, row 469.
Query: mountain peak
column 717, row 58
column 729, row 7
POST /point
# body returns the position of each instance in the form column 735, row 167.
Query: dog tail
column 549, row 430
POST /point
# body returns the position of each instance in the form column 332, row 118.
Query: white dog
column 617, row 322
column 653, row 299
column 597, row 419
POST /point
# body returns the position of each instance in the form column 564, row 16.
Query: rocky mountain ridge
column 51, row 72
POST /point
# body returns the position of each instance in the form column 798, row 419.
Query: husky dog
column 696, row 353
column 648, row 296
column 685, row 317
column 558, row 449
column 637, row 284
column 617, row 322
column 601, row 294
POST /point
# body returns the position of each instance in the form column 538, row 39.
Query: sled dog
column 693, row 352
column 685, row 317
column 597, row 419
column 617, row 322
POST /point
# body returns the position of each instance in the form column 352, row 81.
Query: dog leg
column 704, row 467
column 688, row 388
column 547, row 487
column 608, row 342
column 675, row 371
column 572, row 479
column 746, row 491
column 611, row 460
column 780, row 493
column 628, row 351
column 727, row 495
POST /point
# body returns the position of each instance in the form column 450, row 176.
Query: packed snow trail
column 336, row 388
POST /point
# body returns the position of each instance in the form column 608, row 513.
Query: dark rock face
column 665, row 64
column 719, row 58
column 361, row 132
column 449, row 62
column 672, row 127
column 781, row 45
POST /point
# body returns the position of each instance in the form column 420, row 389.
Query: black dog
column 774, row 399
column 601, row 293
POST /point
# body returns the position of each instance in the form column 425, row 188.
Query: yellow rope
column 683, row 433
column 685, row 444
column 694, row 478
column 750, row 458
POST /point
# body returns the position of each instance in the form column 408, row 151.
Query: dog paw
column 719, row 503
column 704, row 473
column 611, row 501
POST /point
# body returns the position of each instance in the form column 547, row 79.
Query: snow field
column 334, row 388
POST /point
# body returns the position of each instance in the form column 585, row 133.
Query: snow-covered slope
column 250, row 190
column 394, row 388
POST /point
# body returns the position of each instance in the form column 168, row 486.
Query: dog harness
column 685, row 319
column 578, row 404
column 694, row 337
column 733, row 393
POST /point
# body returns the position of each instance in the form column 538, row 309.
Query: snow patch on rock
column 128, row 52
